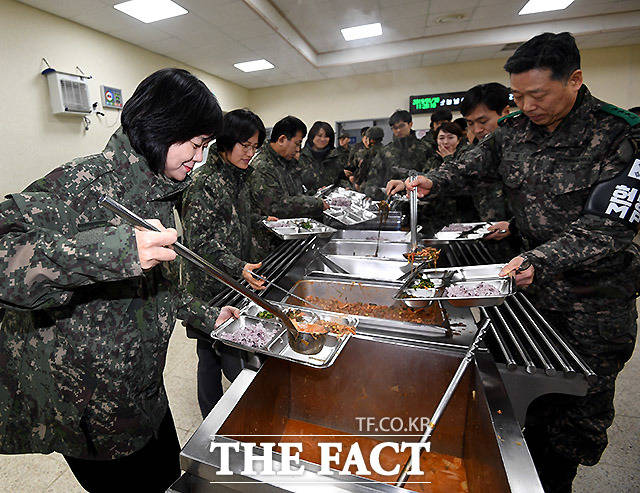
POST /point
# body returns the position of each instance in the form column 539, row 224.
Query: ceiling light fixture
column 535, row 6
column 151, row 10
column 254, row 65
column 361, row 32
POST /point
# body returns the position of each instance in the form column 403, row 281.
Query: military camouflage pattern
column 396, row 160
column 342, row 156
column 218, row 223
column 430, row 140
column 586, row 266
column 351, row 163
column 363, row 159
column 316, row 173
column 276, row 190
column 85, row 332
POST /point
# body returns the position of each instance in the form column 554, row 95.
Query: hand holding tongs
column 200, row 262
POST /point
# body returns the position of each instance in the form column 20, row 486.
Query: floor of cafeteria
column 618, row 471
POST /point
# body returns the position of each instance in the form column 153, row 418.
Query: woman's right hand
column 421, row 183
column 154, row 247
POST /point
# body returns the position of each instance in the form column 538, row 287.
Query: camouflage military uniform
column 85, row 332
column 396, row 160
column 363, row 159
column 342, row 156
column 218, row 223
column 430, row 140
column 351, row 162
column 277, row 191
column 316, row 174
column 586, row 266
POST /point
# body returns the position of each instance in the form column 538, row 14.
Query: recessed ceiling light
column 151, row 10
column 254, row 65
column 361, row 32
column 535, row 6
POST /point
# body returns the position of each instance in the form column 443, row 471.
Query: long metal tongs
column 444, row 402
column 199, row 262
column 413, row 212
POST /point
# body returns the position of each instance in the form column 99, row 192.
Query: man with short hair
column 481, row 107
column 567, row 162
column 275, row 189
column 397, row 159
column 438, row 117
column 351, row 165
column 342, row 153
column 364, row 157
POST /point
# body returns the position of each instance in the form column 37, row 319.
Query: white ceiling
column 302, row 37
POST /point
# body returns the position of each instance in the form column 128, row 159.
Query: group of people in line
column 88, row 302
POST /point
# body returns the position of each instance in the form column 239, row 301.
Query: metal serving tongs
column 271, row 283
column 202, row 264
column 413, row 212
column 444, row 402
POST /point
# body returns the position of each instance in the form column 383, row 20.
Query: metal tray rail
column 522, row 335
column 278, row 346
column 289, row 229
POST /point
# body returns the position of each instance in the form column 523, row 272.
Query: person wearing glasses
column 88, row 303
column 220, row 224
column 398, row 158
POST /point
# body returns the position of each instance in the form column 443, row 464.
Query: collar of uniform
column 133, row 168
column 230, row 170
column 275, row 157
column 405, row 142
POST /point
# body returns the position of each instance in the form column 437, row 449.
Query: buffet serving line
column 387, row 347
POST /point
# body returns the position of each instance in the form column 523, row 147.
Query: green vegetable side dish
column 423, row 282
column 305, row 225
column 265, row 314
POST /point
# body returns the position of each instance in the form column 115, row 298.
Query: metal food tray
column 461, row 235
column 278, row 346
column 466, row 276
column 350, row 215
column 291, row 230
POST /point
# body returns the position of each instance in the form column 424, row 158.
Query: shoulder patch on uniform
column 631, row 118
column 510, row 115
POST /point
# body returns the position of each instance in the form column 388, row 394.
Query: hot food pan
column 460, row 286
column 256, row 331
column 298, row 228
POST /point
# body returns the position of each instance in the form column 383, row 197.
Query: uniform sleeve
column 589, row 238
column 461, row 174
column 376, row 177
column 268, row 198
column 42, row 267
column 205, row 232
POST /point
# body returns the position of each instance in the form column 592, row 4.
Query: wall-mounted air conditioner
column 69, row 93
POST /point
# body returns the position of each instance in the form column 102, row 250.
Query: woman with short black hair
column 319, row 163
column 219, row 224
column 90, row 302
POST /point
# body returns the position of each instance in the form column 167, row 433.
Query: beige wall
column 34, row 140
column 612, row 74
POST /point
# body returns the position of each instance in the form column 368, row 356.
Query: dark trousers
column 563, row 431
column 209, row 377
column 153, row 468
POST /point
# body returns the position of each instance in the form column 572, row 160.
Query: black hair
column 450, row 127
column 556, row 52
column 493, row 95
column 363, row 131
column 400, row 116
column 635, row 109
column 239, row 126
column 289, row 126
column 315, row 129
column 461, row 122
column 170, row 106
column 441, row 115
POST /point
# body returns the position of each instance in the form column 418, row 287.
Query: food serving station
column 399, row 363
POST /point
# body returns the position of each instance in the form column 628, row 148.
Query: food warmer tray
column 472, row 231
column 462, row 276
column 291, row 229
column 278, row 346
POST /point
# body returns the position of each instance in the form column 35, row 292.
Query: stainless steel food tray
column 350, row 215
column 290, row 229
column 462, row 276
column 278, row 346
column 481, row 232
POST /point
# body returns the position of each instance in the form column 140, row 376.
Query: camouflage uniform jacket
column 351, row 163
column 342, row 155
column 85, row 331
column 363, row 159
column 276, row 190
column 316, row 174
column 396, row 160
column 547, row 180
column 430, row 140
column 218, row 223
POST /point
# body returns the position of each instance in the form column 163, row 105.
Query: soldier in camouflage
column 319, row 165
column 343, row 150
column 553, row 157
column 219, row 224
column 404, row 154
column 276, row 190
column 351, row 164
column 438, row 117
column 89, row 307
column 365, row 156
